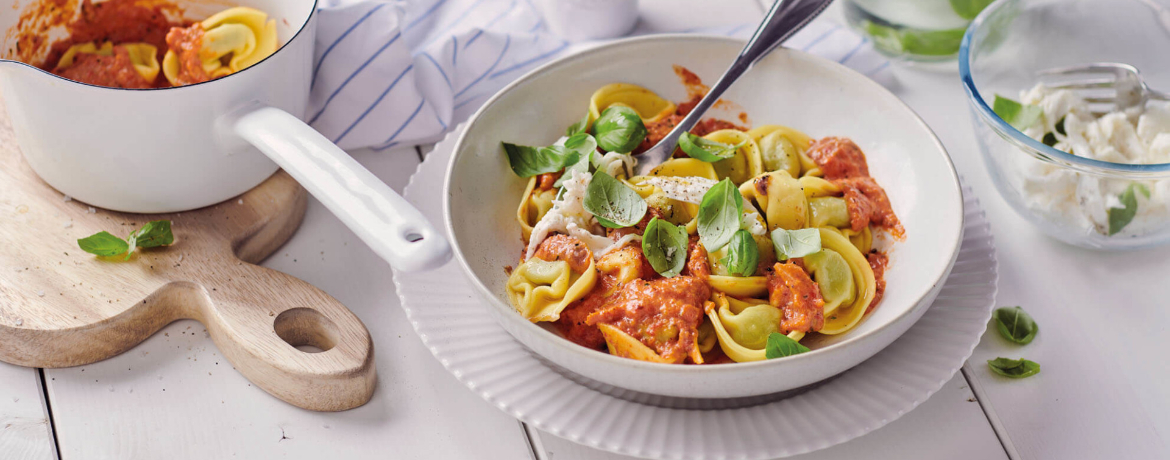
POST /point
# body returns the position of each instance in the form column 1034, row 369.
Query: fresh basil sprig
column 1014, row 324
column 578, row 127
column 1014, row 368
column 153, row 234
column 1020, row 116
column 586, row 147
column 742, row 254
column 1120, row 217
column 614, row 204
column 619, row 129
column 665, row 247
column 719, row 215
column 791, row 244
column 780, row 345
column 707, row 150
column 531, row 161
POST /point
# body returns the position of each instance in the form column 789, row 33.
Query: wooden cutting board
column 60, row 306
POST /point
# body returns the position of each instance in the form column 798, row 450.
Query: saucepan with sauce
column 159, row 106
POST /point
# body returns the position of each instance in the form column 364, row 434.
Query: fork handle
column 785, row 18
column 1155, row 94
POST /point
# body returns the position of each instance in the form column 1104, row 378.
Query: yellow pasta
column 245, row 34
column 649, row 105
column 746, row 163
column 780, row 198
column 539, row 290
column 143, row 56
column 846, row 317
column 750, row 320
column 622, row 344
column 798, row 139
column 533, row 207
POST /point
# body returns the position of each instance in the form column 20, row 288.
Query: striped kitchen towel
column 397, row 73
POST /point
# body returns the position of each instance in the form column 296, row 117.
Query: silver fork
column 1126, row 81
column 785, row 18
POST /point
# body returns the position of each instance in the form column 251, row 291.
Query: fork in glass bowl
column 1130, row 90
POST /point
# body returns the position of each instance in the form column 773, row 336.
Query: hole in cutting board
column 306, row 330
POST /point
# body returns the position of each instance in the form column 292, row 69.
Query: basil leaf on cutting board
column 791, row 244
column 152, row 234
column 1020, row 116
column 1014, row 368
column 742, row 254
column 1016, row 325
column 780, row 345
column 665, row 247
column 719, row 215
column 619, row 129
column 614, row 204
column 1120, row 217
column 705, row 149
column 586, row 147
column 531, row 161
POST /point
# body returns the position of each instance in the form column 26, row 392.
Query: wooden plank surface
column 25, row 433
column 174, row 396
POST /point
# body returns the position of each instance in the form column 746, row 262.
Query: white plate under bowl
column 817, row 96
column 451, row 319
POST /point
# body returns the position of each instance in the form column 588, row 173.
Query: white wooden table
column 1102, row 392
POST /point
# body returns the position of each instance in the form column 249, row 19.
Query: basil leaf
column 780, row 345
column 1120, row 217
column 719, row 215
column 742, row 254
column 1049, row 139
column 705, row 149
column 968, row 9
column 791, row 244
column 619, row 129
column 579, row 126
column 586, row 148
column 1014, row 324
column 665, row 247
column 530, row 161
column 1060, row 127
column 153, row 234
column 1020, row 116
column 613, row 203
column 103, row 244
column 1014, row 368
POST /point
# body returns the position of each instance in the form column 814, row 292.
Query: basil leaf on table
column 1020, row 116
column 1014, row 324
column 719, row 215
column 579, row 126
column 586, row 148
column 613, row 203
column 705, row 149
column 531, row 161
column 619, row 129
column 791, row 244
column 742, row 254
column 1120, row 217
column 154, row 233
column 1014, row 368
column 665, row 247
column 780, row 345
column 103, row 244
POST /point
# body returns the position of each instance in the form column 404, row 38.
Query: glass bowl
column 1066, row 196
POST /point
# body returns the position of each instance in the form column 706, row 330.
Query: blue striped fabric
column 398, row 73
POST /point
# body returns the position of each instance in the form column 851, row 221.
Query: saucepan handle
column 380, row 217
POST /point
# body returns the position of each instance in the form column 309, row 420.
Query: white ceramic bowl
column 788, row 87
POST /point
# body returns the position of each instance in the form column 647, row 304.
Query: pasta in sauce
column 128, row 43
column 637, row 268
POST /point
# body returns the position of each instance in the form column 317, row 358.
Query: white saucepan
column 175, row 149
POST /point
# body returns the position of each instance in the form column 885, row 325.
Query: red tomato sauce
column 878, row 262
column 695, row 91
column 569, row 249
column 664, row 314
column 114, row 71
column 186, row 43
column 798, row 297
column 843, row 163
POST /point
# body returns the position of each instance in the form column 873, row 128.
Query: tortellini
column 143, row 56
column 848, row 314
column 746, row 163
column 539, row 290
column 626, row 346
column 784, row 136
column 828, row 211
column 243, row 35
column 650, row 106
column 834, row 277
column 743, row 326
column 533, row 207
column 780, row 198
